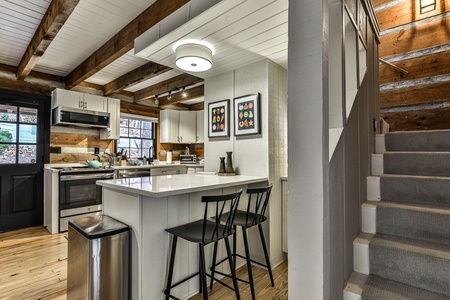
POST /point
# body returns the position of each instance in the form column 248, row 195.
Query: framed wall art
column 247, row 115
column 219, row 119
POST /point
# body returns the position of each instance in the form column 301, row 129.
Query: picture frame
column 247, row 115
column 219, row 119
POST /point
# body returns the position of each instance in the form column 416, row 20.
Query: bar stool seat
column 258, row 200
column 203, row 232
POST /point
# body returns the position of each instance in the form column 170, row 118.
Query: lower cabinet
column 168, row 170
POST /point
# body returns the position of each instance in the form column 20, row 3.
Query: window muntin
column 136, row 137
column 18, row 134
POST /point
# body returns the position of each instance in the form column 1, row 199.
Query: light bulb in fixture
column 193, row 57
column 169, row 97
column 156, row 100
column 184, row 93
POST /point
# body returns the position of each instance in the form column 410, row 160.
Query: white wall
column 308, row 144
column 264, row 154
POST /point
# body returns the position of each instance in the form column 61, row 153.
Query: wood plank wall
column 420, row 44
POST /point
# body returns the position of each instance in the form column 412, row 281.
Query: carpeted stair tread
column 421, row 222
column 429, row 140
column 377, row 288
column 417, row 163
column 417, row 263
column 431, row 190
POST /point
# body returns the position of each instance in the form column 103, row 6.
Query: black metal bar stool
column 204, row 232
column 258, row 200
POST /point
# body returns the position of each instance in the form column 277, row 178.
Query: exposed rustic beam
column 25, row 86
column 56, row 15
column 138, row 109
column 123, row 41
column 193, row 93
column 165, row 86
column 145, row 72
column 7, row 69
column 197, row 106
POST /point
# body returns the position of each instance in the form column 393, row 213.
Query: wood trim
column 165, row 86
column 415, row 38
column 56, row 15
column 138, row 75
column 418, row 94
column 35, row 74
column 422, row 67
column 123, row 41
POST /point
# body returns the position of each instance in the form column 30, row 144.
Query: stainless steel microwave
column 79, row 117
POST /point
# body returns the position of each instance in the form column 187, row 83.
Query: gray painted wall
column 324, row 196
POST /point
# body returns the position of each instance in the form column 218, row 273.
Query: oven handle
column 90, row 176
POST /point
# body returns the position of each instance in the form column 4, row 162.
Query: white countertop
column 161, row 186
column 159, row 165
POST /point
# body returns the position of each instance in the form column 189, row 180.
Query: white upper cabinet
column 65, row 98
column 178, row 127
column 113, row 132
column 188, row 127
column 169, row 122
column 200, row 126
column 95, row 103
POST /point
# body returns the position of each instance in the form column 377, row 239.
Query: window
column 18, row 132
column 137, row 136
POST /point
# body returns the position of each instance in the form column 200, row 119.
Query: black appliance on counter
column 79, row 195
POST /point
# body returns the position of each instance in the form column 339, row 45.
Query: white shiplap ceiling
column 241, row 31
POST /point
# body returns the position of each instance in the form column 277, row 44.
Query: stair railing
column 402, row 71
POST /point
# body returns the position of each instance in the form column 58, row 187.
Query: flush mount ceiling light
column 193, row 57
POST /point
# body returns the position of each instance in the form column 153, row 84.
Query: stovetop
column 83, row 169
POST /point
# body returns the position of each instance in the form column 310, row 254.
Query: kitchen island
column 151, row 204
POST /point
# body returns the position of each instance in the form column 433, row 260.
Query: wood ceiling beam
column 123, row 41
column 138, row 75
column 56, row 15
column 165, row 86
column 25, row 86
column 193, row 93
column 138, row 109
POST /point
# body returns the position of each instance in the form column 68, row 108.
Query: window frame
column 142, row 151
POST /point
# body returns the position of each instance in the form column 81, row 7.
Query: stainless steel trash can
column 98, row 259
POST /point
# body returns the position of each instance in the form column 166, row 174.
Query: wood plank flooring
column 33, row 265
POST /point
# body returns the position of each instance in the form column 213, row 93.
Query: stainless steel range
column 79, row 195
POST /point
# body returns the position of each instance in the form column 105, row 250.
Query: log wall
column 419, row 44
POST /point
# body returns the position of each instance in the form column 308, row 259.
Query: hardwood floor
column 33, row 265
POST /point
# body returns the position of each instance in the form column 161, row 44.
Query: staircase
column 404, row 250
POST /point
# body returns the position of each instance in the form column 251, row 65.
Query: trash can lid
column 94, row 227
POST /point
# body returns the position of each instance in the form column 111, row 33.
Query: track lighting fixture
column 169, row 97
column 156, row 100
column 184, row 93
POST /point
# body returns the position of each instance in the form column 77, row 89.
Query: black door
column 24, row 140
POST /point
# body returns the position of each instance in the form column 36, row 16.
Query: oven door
column 80, row 190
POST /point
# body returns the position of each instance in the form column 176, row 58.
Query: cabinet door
column 65, row 98
column 95, row 103
column 188, row 127
column 113, row 132
column 169, row 126
column 200, row 126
